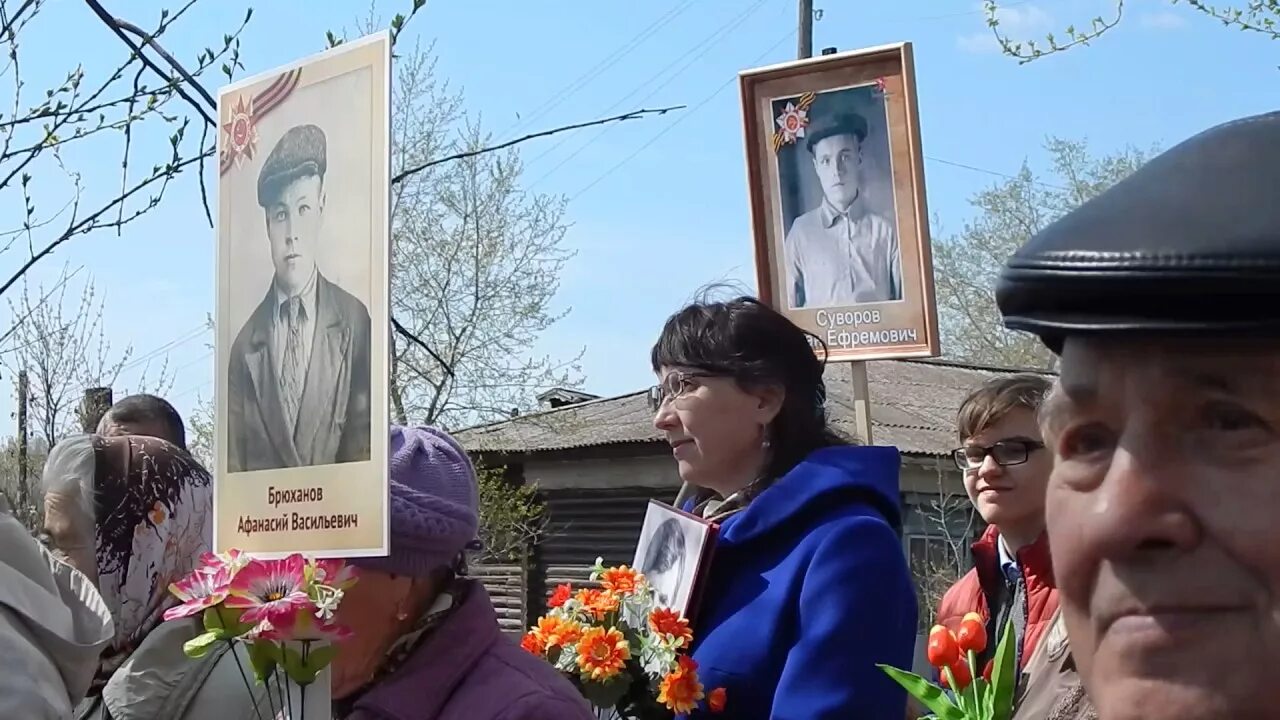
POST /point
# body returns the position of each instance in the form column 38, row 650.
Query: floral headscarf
column 153, row 507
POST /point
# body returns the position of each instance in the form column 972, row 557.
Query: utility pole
column 96, row 402
column 24, row 486
column 804, row 46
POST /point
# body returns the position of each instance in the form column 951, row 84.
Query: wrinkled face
column 716, row 429
column 836, row 159
column 1013, row 494
column 370, row 609
column 69, row 529
column 293, row 227
column 1161, row 513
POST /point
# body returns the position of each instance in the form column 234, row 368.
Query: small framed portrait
column 302, row 306
column 673, row 553
column 836, row 185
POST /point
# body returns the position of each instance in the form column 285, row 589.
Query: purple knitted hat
column 434, row 503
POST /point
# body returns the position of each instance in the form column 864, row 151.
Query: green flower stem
column 275, row 673
column 306, row 650
column 976, row 692
column 231, row 648
column 955, row 689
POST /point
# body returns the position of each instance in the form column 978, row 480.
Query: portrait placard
column 836, row 184
column 302, row 306
column 673, row 553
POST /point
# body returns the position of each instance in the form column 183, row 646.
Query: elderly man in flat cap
column 1160, row 297
column 299, row 376
column 841, row 253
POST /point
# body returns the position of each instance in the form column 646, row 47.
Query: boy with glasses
column 1005, row 469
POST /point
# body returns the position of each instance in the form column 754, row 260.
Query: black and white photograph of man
column 299, row 375
column 841, row 243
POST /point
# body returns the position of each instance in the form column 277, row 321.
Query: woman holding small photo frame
column 807, row 588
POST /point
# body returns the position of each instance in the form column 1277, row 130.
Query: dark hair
column 997, row 398
column 149, row 409
column 757, row 346
column 665, row 549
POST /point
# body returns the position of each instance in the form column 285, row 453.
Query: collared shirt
column 280, row 324
column 1008, row 561
column 835, row 258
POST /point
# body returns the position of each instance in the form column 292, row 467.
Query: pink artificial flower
column 334, row 573
column 232, row 559
column 199, row 591
column 272, row 590
column 305, row 628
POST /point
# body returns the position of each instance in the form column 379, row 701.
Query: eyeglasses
column 673, row 386
column 1005, row 452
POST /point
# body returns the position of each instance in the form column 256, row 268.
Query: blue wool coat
column 808, row 590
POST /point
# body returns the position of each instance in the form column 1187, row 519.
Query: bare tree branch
column 633, row 115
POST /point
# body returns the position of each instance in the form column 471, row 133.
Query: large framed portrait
column 303, row 306
column 836, row 184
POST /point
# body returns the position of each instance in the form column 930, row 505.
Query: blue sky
column 659, row 206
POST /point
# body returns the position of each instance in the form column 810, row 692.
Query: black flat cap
column 301, row 151
column 824, row 126
column 1187, row 245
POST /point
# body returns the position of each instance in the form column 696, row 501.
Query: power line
column 706, row 44
column 680, row 119
column 172, row 344
column 987, row 171
column 600, row 67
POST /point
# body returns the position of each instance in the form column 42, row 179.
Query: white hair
column 70, row 470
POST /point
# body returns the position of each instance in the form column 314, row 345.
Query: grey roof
column 913, row 407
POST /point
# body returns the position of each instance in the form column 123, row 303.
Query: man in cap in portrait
column 841, row 252
column 299, row 373
column 1161, row 298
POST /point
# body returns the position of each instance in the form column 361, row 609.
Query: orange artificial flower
column 972, row 636
column 621, row 580
column 681, row 690
column 597, row 602
column 666, row 621
column 532, row 641
column 560, row 596
column 558, row 631
column 716, row 700
column 602, row 653
column 942, row 649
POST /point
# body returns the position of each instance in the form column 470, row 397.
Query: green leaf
column 263, row 656
column 606, row 694
column 929, row 695
column 198, row 646
column 319, row 657
column 296, row 669
column 1004, row 675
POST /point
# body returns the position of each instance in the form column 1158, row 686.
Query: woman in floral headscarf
column 134, row 514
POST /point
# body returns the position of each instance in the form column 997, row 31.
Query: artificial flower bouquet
column 620, row 649
column 988, row 696
column 281, row 610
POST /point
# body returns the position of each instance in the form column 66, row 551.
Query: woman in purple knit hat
column 427, row 644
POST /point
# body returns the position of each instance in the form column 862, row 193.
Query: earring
column 764, row 438
column 402, row 616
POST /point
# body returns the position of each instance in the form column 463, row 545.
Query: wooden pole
column 804, row 43
column 97, row 401
column 24, row 483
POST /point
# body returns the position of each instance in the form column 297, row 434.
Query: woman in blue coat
column 808, row 587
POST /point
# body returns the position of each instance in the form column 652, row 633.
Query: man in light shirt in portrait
column 841, row 252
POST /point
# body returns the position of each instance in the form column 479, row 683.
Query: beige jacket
column 1053, row 690
column 159, row 682
column 53, row 627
